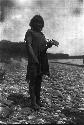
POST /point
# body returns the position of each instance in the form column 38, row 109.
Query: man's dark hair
column 36, row 20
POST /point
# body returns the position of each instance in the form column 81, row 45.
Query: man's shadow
column 7, row 106
column 19, row 99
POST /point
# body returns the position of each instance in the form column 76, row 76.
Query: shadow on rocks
column 76, row 115
column 19, row 99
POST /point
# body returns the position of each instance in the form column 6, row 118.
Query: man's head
column 37, row 23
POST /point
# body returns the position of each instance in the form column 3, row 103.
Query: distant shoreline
column 73, row 63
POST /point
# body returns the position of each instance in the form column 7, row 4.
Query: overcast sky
column 64, row 22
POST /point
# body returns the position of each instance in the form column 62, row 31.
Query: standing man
column 37, row 46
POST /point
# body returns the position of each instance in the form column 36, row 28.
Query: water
column 70, row 61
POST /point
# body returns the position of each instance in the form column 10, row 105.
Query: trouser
column 35, row 89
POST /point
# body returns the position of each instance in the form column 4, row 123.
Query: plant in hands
column 52, row 42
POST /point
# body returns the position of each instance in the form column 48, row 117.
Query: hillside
column 12, row 48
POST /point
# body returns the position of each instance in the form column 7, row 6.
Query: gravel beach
column 62, row 94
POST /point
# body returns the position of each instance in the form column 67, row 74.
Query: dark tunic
column 38, row 42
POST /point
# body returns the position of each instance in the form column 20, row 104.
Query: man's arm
column 28, row 40
column 32, row 54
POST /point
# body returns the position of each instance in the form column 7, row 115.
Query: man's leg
column 32, row 94
column 38, row 90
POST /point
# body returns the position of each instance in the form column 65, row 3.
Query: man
column 37, row 46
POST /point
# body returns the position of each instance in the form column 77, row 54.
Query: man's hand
column 49, row 44
column 36, row 61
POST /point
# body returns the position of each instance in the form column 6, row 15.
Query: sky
column 64, row 22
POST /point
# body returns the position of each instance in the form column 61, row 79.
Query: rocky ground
column 62, row 94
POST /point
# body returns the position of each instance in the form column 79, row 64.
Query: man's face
column 39, row 27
